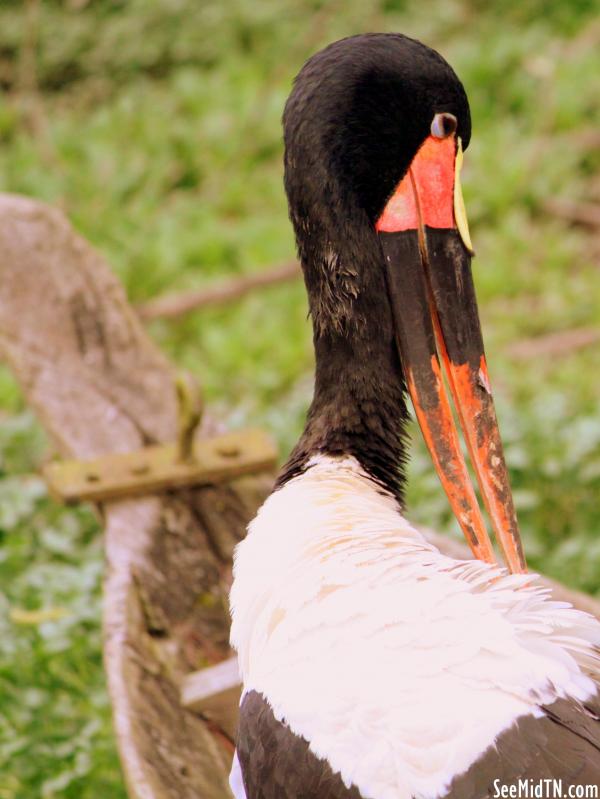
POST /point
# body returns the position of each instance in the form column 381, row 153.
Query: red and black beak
column 425, row 240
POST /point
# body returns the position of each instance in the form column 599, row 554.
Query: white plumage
column 399, row 665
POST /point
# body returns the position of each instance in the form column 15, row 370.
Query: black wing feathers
column 564, row 744
column 277, row 764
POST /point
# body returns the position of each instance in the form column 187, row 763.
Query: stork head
column 375, row 130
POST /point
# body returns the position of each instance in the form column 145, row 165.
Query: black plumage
column 277, row 764
column 358, row 112
column 563, row 744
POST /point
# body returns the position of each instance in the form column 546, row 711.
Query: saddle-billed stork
column 374, row 666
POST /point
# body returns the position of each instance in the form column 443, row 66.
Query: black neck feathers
column 357, row 115
column 359, row 406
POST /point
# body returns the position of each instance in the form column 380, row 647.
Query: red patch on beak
column 425, row 195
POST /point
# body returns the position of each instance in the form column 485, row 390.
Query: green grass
column 156, row 127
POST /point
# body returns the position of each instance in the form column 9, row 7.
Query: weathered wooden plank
column 215, row 693
column 99, row 386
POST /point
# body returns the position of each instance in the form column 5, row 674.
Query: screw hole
column 140, row 468
column 231, row 451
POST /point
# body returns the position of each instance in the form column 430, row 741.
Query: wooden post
column 99, row 385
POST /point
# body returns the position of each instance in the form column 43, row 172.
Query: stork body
column 373, row 666
column 405, row 672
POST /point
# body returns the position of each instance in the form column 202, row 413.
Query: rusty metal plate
column 159, row 468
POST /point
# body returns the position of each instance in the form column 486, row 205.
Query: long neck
column 359, row 405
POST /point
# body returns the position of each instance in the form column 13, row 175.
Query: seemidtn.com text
column 543, row 789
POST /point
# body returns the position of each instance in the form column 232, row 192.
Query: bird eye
column 443, row 125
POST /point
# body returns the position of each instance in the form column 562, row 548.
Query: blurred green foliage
column 156, row 127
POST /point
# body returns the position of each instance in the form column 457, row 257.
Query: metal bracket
column 153, row 469
column 168, row 466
